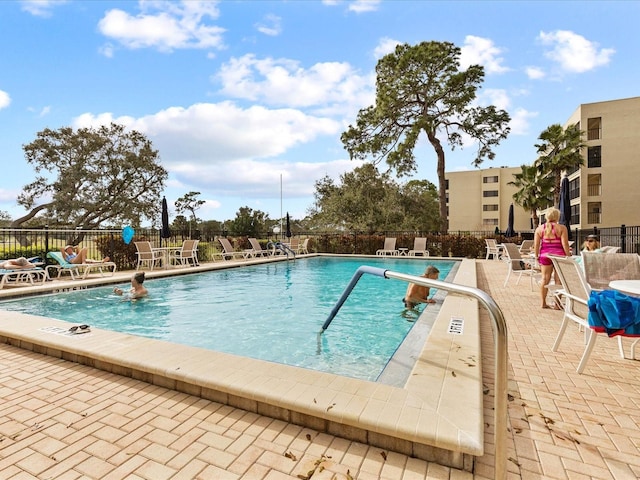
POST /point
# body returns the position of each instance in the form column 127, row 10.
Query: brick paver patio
column 60, row 420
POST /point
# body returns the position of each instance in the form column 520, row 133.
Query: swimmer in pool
column 137, row 289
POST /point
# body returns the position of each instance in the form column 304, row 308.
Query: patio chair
column 609, row 249
column 258, row 251
column 419, row 247
column 600, row 269
column 576, row 292
column 186, row 255
column 147, row 255
column 78, row 270
column 525, row 247
column 517, row 264
column 304, row 246
column 229, row 252
column 493, row 249
column 389, row 247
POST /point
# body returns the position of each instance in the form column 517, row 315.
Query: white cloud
column 41, row 8
column 535, row 73
column 521, row 121
column 481, row 51
column 573, row 52
column 329, row 88
column 164, row 25
column 226, row 148
column 494, row 96
column 272, row 25
column 361, row 6
column 5, row 99
column 385, row 45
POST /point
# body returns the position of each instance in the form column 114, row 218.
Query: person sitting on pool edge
column 78, row 255
column 137, row 289
column 419, row 294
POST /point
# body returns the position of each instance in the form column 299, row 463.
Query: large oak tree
column 90, row 177
column 421, row 90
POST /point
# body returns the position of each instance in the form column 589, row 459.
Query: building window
column 490, row 221
column 490, row 193
column 594, row 212
column 574, row 188
column 490, row 208
column 446, row 184
column 575, row 214
column 594, row 185
column 594, row 128
column 492, row 179
column 594, row 157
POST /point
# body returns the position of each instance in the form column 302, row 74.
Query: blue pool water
column 270, row 312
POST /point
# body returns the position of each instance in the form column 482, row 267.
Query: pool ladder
column 499, row 338
column 282, row 247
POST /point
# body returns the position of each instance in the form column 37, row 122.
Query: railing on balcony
column 594, row 190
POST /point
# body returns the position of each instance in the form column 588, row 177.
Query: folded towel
column 614, row 313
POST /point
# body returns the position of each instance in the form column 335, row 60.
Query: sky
column 246, row 100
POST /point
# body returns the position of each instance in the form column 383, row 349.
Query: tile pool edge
column 433, row 423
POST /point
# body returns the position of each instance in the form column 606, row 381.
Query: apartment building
column 479, row 200
column 604, row 191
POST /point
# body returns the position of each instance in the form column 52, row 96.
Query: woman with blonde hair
column 551, row 238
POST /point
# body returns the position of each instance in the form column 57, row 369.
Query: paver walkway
column 60, row 420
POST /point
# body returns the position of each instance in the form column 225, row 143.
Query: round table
column 630, row 287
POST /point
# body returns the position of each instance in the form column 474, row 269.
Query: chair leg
column 620, row 346
column 587, row 351
column 508, row 275
column 563, row 327
column 633, row 349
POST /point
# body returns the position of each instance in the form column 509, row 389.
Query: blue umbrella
column 565, row 204
column 510, row 232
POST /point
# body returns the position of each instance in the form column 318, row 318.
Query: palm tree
column 560, row 150
column 535, row 190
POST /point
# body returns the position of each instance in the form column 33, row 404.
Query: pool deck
column 61, row 419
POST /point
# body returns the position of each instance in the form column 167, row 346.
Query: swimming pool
column 269, row 312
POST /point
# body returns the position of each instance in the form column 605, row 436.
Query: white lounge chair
column 78, row 270
column 389, row 247
column 419, row 247
column 258, row 251
column 229, row 252
column 493, row 249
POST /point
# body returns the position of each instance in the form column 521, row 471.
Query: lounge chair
column 576, row 292
column 78, row 270
column 609, row 249
column 22, row 276
column 147, row 255
column 229, row 252
column 258, row 251
column 518, row 264
column 389, row 247
column 419, row 247
column 493, row 249
column 602, row 268
column 185, row 255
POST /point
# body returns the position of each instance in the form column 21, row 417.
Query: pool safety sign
column 456, row 325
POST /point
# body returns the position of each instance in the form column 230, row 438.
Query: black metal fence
column 100, row 243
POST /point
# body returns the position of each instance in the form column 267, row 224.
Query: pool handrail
column 499, row 328
column 284, row 248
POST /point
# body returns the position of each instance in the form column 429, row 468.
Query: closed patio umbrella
column 165, row 232
column 510, row 231
column 288, row 226
column 565, row 204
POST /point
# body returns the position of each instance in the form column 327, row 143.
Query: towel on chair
column 614, row 313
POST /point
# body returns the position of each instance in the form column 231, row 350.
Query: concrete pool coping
column 436, row 416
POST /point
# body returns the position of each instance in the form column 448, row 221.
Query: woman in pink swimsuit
column 551, row 238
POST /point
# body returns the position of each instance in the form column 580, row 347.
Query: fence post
column 46, row 242
column 623, row 237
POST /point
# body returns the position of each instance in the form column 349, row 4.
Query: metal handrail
column 499, row 338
